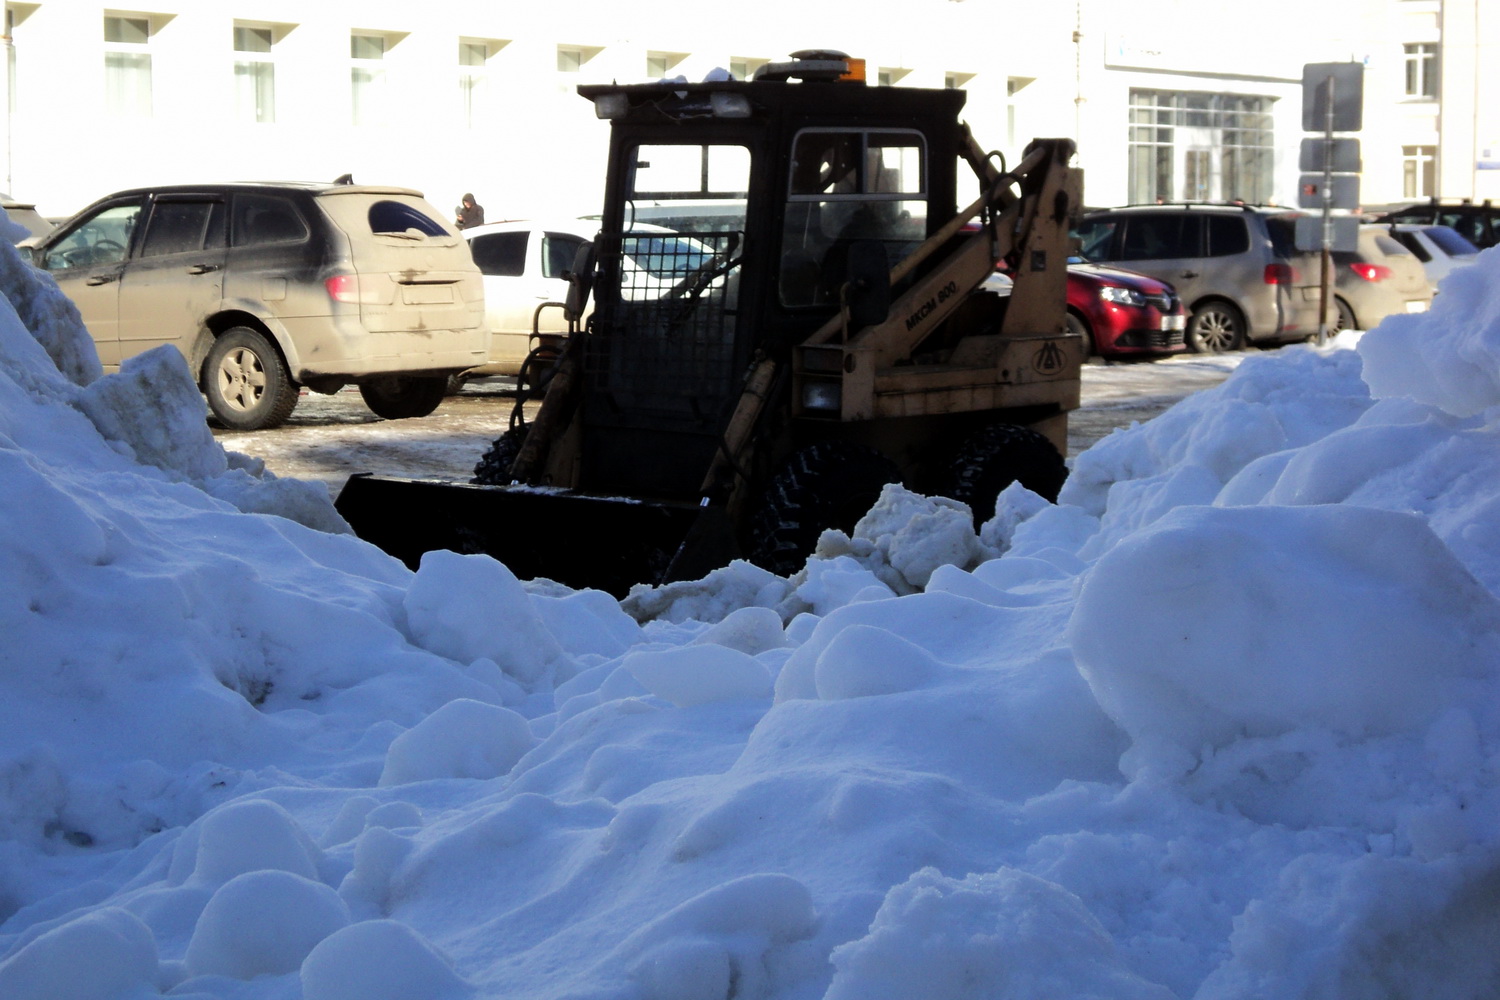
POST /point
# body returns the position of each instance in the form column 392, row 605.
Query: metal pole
column 1326, row 262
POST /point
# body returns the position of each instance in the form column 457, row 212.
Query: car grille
column 1166, row 302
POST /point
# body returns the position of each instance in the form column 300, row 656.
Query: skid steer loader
column 790, row 310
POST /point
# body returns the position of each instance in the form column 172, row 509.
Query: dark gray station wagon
column 266, row 288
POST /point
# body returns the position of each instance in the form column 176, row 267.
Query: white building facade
column 1167, row 99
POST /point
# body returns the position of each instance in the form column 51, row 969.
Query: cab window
column 849, row 186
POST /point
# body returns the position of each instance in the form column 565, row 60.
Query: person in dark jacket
column 470, row 213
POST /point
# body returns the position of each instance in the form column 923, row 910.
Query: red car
column 1119, row 314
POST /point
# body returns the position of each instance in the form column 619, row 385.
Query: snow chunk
column 1459, row 371
column 49, row 316
column 697, row 675
column 153, row 407
column 246, row 836
column 380, row 960
column 688, row 952
column 109, row 954
column 1005, row 934
column 864, row 660
column 741, row 584
column 263, row 923
column 463, row 739
column 749, row 630
column 1218, row 623
column 466, row 607
column 916, row 534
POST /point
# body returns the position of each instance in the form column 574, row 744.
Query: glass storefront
column 1194, row 146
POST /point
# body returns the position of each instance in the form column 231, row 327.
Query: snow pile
column 1221, row 724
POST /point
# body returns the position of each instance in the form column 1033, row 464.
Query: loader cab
column 772, row 189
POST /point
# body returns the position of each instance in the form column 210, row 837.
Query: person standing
column 470, row 213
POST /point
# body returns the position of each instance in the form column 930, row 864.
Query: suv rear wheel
column 397, row 397
column 246, row 381
column 1215, row 327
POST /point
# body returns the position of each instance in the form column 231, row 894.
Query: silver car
column 1381, row 277
column 1234, row 266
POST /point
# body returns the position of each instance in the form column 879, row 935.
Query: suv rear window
column 395, row 217
column 1283, row 232
column 262, row 219
column 1227, row 236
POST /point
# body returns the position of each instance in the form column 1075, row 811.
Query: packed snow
column 1222, row 723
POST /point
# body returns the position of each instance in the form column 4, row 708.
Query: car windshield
column 1451, row 242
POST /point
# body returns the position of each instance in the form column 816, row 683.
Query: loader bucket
column 584, row 541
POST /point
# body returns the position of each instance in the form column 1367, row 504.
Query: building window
column 473, row 80
column 254, row 74
column 367, row 78
column 1200, row 147
column 1422, row 70
column 1418, row 171
column 569, row 60
column 127, row 66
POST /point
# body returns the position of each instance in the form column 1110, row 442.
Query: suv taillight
column 343, row 287
column 1370, row 272
column 1282, row 274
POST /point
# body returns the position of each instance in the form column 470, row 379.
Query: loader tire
column 831, row 484
column 997, row 456
column 493, row 468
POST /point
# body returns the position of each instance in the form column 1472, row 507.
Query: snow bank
column 1223, row 723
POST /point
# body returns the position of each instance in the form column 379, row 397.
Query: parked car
column 1119, row 314
column 1439, row 248
column 25, row 215
column 265, row 287
column 1381, row 277
column 524, row 261
column 1234, row 266
column 1479, row 224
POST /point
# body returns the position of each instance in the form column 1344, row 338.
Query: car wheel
column 997, row 456
column 399, row 397
column 831, row 484
column 246, row 381
column 493, row 468
column 1215, row 327
column 1345, row 319
column 1076, row 324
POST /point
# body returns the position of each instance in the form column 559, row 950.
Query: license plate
column 1416, row 306
column 426, row 295
column 1174, row 322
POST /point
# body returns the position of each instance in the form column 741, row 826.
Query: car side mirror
column 580, row 282
column 867, row 293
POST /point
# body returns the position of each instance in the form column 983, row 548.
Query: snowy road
column 330, row 437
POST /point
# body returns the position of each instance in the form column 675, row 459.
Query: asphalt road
column 330, row 437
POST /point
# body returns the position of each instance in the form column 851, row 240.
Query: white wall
column 541, row 149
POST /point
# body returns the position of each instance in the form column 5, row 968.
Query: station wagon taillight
column 1282, row 274
column 343, row 287
column 1370, row 272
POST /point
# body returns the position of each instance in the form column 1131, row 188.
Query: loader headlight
column 611, row 106
column 729, row 105
column 822, row 396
